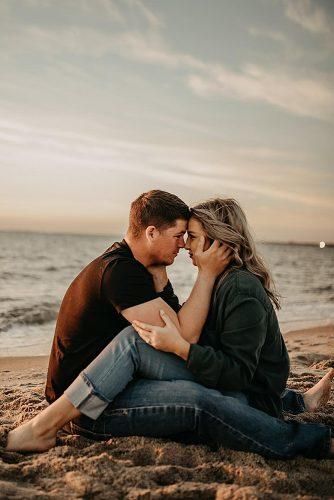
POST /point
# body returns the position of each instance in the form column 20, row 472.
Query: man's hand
column 167, row 338
column 214, row 260
column 160, row 278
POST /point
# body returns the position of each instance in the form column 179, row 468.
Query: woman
column 240, row 362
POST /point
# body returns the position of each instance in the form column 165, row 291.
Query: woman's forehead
column 195, row 226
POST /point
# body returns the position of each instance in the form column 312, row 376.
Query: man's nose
column 181, row 242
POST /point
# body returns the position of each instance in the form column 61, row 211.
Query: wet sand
column 146, row 468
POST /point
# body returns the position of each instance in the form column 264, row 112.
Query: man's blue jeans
column 133, row 389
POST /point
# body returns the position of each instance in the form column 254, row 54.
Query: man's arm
column 149, row 312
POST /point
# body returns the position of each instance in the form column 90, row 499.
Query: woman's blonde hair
column 225, row 221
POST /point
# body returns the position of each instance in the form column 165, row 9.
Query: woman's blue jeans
column 133, row 389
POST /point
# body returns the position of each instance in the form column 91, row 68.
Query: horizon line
column 329, row 244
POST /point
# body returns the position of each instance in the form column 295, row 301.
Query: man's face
column 168, row 242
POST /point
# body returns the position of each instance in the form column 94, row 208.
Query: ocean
column 36, row 269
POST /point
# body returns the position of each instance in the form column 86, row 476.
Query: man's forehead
column 180, row 226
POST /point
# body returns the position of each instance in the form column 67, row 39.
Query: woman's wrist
column 208, row 275
column 182, row 349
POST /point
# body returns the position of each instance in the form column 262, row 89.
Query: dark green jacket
column 241, row 347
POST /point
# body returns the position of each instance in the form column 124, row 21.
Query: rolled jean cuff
column 83, row 395
column 301, row 402
column 325, row 451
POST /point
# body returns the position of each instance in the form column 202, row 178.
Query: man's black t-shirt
column 90, row 313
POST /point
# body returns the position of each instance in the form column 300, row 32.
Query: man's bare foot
column 41, row 432
column 28, row 437
column 320, row 393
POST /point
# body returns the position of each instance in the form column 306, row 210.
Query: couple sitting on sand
column 212, row 371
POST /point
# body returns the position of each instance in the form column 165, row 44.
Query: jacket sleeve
column 241, row 328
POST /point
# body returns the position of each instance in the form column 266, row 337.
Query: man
column 127, row 282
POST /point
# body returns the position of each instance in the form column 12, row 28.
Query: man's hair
column 156, row 208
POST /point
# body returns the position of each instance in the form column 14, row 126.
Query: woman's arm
column 191, row 317
column 193, row 313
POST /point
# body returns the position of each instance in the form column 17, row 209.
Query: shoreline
column 302, row 335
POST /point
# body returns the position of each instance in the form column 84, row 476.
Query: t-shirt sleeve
column 169, row 296
column 125, row 284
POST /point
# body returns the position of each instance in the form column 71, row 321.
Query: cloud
column 54, row 153
column 302, row 96
column 305, row 96
column 277, row 36
column 153, row 20
column 309, row 15
column 288, row 89
column 286, row 48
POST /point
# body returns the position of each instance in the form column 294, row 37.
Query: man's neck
column 138, row 250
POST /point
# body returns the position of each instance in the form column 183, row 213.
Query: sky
column 101, row 100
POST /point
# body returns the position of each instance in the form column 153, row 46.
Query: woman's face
column 195, row 231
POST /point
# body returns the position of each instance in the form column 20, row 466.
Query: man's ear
column 150, row 233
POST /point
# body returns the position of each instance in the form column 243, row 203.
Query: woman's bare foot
column 28, row 437
column 320, row 393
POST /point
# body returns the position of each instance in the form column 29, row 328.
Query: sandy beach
column 145, row 468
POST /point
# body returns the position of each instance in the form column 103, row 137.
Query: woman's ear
column 207, row 243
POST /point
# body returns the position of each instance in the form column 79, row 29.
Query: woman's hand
column 167, row 338
column 214, row 260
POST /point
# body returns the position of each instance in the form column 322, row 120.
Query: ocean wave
column 8, row 275
column 319, row 289
column 37, row 314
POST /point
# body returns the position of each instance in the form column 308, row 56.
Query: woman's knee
column 206, row 399
column 128, row 334
column 193, row 394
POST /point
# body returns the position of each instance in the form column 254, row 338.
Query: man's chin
column 170, row 261
column 165, row 262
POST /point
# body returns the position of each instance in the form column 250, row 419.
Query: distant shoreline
column 117, row 236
